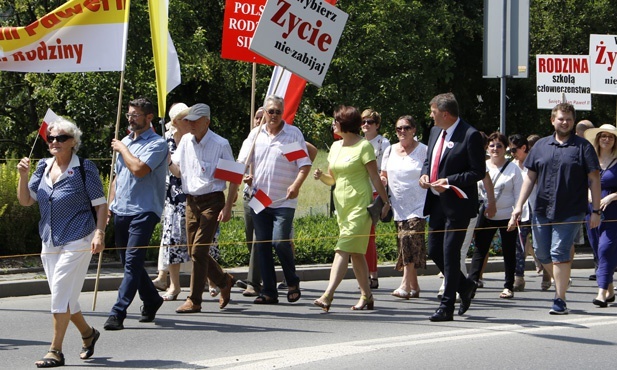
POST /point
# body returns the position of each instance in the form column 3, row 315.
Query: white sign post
column 559, row 75
column 300, row 36
column 603, row 64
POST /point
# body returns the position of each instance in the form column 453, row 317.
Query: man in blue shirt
column 564, row 166
column 137, row 198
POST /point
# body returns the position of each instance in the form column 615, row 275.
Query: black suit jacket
column 463, row 163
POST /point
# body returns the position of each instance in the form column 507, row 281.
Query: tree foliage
column 393, row 57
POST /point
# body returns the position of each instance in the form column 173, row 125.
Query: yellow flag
column 166, row 63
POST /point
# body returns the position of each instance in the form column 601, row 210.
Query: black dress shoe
column 599, row 303
column 466, row 298
column 441, row 315
column 148, row 312
column 113, row 323
column 611, row 299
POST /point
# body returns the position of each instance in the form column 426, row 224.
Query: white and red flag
column 229, row 171
column 293, row 151
column 50, row 116
column 458, row 191
column 260, row 201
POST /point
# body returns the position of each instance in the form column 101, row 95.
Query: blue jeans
column 273, row 229
column 132, row 232
column 553, row 239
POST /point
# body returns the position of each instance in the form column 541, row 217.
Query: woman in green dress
column 352, row 166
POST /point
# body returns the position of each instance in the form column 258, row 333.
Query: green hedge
column 314, row 239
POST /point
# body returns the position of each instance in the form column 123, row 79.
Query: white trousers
column 66, row 268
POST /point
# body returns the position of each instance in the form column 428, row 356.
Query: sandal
column 160, row 285
column 251, row 291
column 170, row 296
column 88, row 351
column 325, row 301
column 401, row 293
column 367, row 302
column 262, row 299
column 293, row 295
column 506, row 294
column 51, row 361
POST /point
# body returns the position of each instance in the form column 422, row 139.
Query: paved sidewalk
column 25, row 282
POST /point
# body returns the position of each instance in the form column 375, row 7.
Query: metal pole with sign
column 506, row 44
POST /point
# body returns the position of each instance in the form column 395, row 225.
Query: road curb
column 111, row 275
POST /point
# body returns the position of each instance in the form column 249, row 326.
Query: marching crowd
column 462, row 186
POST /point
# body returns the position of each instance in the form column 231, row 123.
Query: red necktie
column 435, row 168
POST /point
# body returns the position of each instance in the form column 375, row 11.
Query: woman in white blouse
column 401, row 167
column 507, row 181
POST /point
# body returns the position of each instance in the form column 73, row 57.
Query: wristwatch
column 597, row 211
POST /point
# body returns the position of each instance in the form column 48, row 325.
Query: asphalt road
column 495, row 333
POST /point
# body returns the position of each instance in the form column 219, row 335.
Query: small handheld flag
column 293, row 151
column 260, row 201
column 229, row 171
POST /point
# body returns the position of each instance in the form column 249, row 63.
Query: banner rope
column 222, row 244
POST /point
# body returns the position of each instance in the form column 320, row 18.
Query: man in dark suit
column 455, row 163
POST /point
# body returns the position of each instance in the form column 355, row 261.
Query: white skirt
column 66, row 268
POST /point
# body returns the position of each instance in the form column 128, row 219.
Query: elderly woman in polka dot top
column 66, row 188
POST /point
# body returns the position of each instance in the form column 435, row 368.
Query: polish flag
column 293, row 151
column 458, row 191
column 260, row 201
column 229, row 171
column 290, row 87
column 50, row 117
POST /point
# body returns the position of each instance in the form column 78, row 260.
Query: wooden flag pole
column 33, row 145
column 253, row 83
column 111, row 178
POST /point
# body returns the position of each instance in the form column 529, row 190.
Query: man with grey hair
column 281, row 180
column 195, row 161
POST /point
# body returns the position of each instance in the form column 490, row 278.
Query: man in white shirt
column 195, row 161
column 281, row 180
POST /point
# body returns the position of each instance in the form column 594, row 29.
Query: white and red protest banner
column 300, row 36
column 78, row 36
column 603, row 64
column 260, row 201
column 293, row 151
column 239, row 25
column 229, row 171
column 50, row 117
column 563, row 75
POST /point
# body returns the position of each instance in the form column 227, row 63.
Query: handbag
column 482, row 210
column 374, row 209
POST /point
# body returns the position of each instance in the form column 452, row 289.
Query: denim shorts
column 553, row 239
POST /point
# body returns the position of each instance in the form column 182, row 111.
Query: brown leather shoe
column 226, row 292
column 188, row 307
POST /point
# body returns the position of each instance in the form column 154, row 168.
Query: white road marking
column 304, row 355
